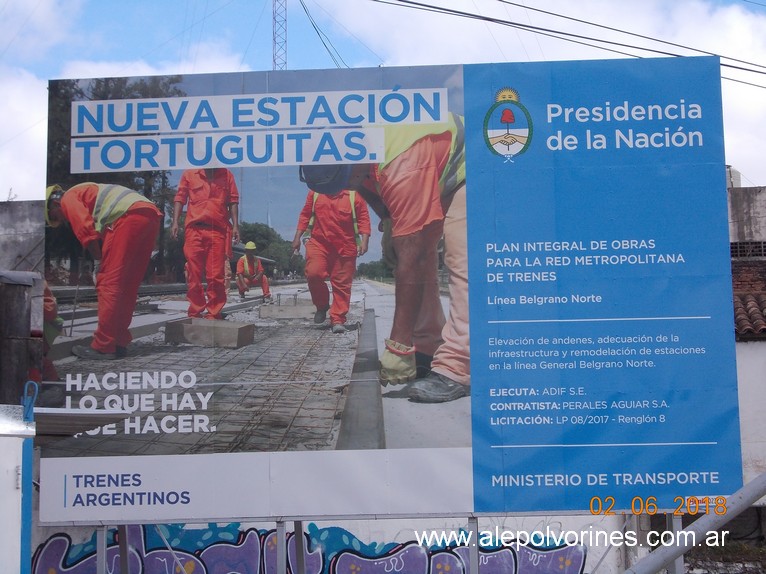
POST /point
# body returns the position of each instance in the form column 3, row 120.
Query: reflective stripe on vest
column 454, row 174
column 112, row 202
column 312, row 219
column 246, row 266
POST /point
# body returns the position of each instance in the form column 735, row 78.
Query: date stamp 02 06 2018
column 693, row 505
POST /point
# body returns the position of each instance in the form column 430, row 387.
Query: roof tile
column 749, row 282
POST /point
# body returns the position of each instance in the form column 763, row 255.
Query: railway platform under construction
column 295, row 386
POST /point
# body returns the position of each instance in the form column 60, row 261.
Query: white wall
column 10, row 502
column 747, row 214
column 751, row 377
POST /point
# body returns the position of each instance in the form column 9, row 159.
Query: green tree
column 61, row 94
column 61, row 243
column 374, row 269
column 272, row 246
column 152, row 184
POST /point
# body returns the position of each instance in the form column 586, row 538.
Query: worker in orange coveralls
column 250, row 272
column 212, row 223
column 118, row 226
column 338, row 228
column 419, row 193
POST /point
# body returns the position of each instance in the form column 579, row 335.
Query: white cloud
column 408, row 37
column 23, row 138
column 207, row 57
column 52, row 37
column 29, row 30
column 24, row 114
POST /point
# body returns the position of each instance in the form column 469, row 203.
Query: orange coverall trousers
column 125, row 252
column 205, row 252
column 323, row 261
column 244, row 284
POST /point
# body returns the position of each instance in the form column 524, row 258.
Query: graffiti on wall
column 333, row 550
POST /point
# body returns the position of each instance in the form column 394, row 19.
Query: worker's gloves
column 397, row 365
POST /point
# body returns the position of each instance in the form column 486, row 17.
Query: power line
column 199, row 41
column 20, row 28
column 334, row 54
column 499, row 47
column 566, row 36
column 743, row 82
column 529, row 28
column 631, row 33
column 512, row 24
column 252, row 35
column 188, row 28
column 349, row 32
column 537, row 38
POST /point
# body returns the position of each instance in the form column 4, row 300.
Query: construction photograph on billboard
column 544, row 328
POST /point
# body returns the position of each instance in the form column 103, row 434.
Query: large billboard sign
column 593, row 278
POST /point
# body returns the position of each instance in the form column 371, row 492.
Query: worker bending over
column 118, row 227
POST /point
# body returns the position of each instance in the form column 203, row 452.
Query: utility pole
column 279, row 34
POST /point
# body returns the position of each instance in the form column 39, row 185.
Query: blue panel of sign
column 602, row 357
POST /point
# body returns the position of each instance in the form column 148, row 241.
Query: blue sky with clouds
column 47, row 39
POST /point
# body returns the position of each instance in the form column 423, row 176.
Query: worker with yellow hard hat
column 250, row 272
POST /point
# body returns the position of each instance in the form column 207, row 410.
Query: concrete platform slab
column 208, row 333
column 288, row 308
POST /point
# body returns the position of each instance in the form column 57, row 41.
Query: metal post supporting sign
column 27, row 469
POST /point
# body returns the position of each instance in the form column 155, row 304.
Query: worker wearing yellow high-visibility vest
column 337, row 231
column 419, row 192
column 250, row 271
column 118, row 226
